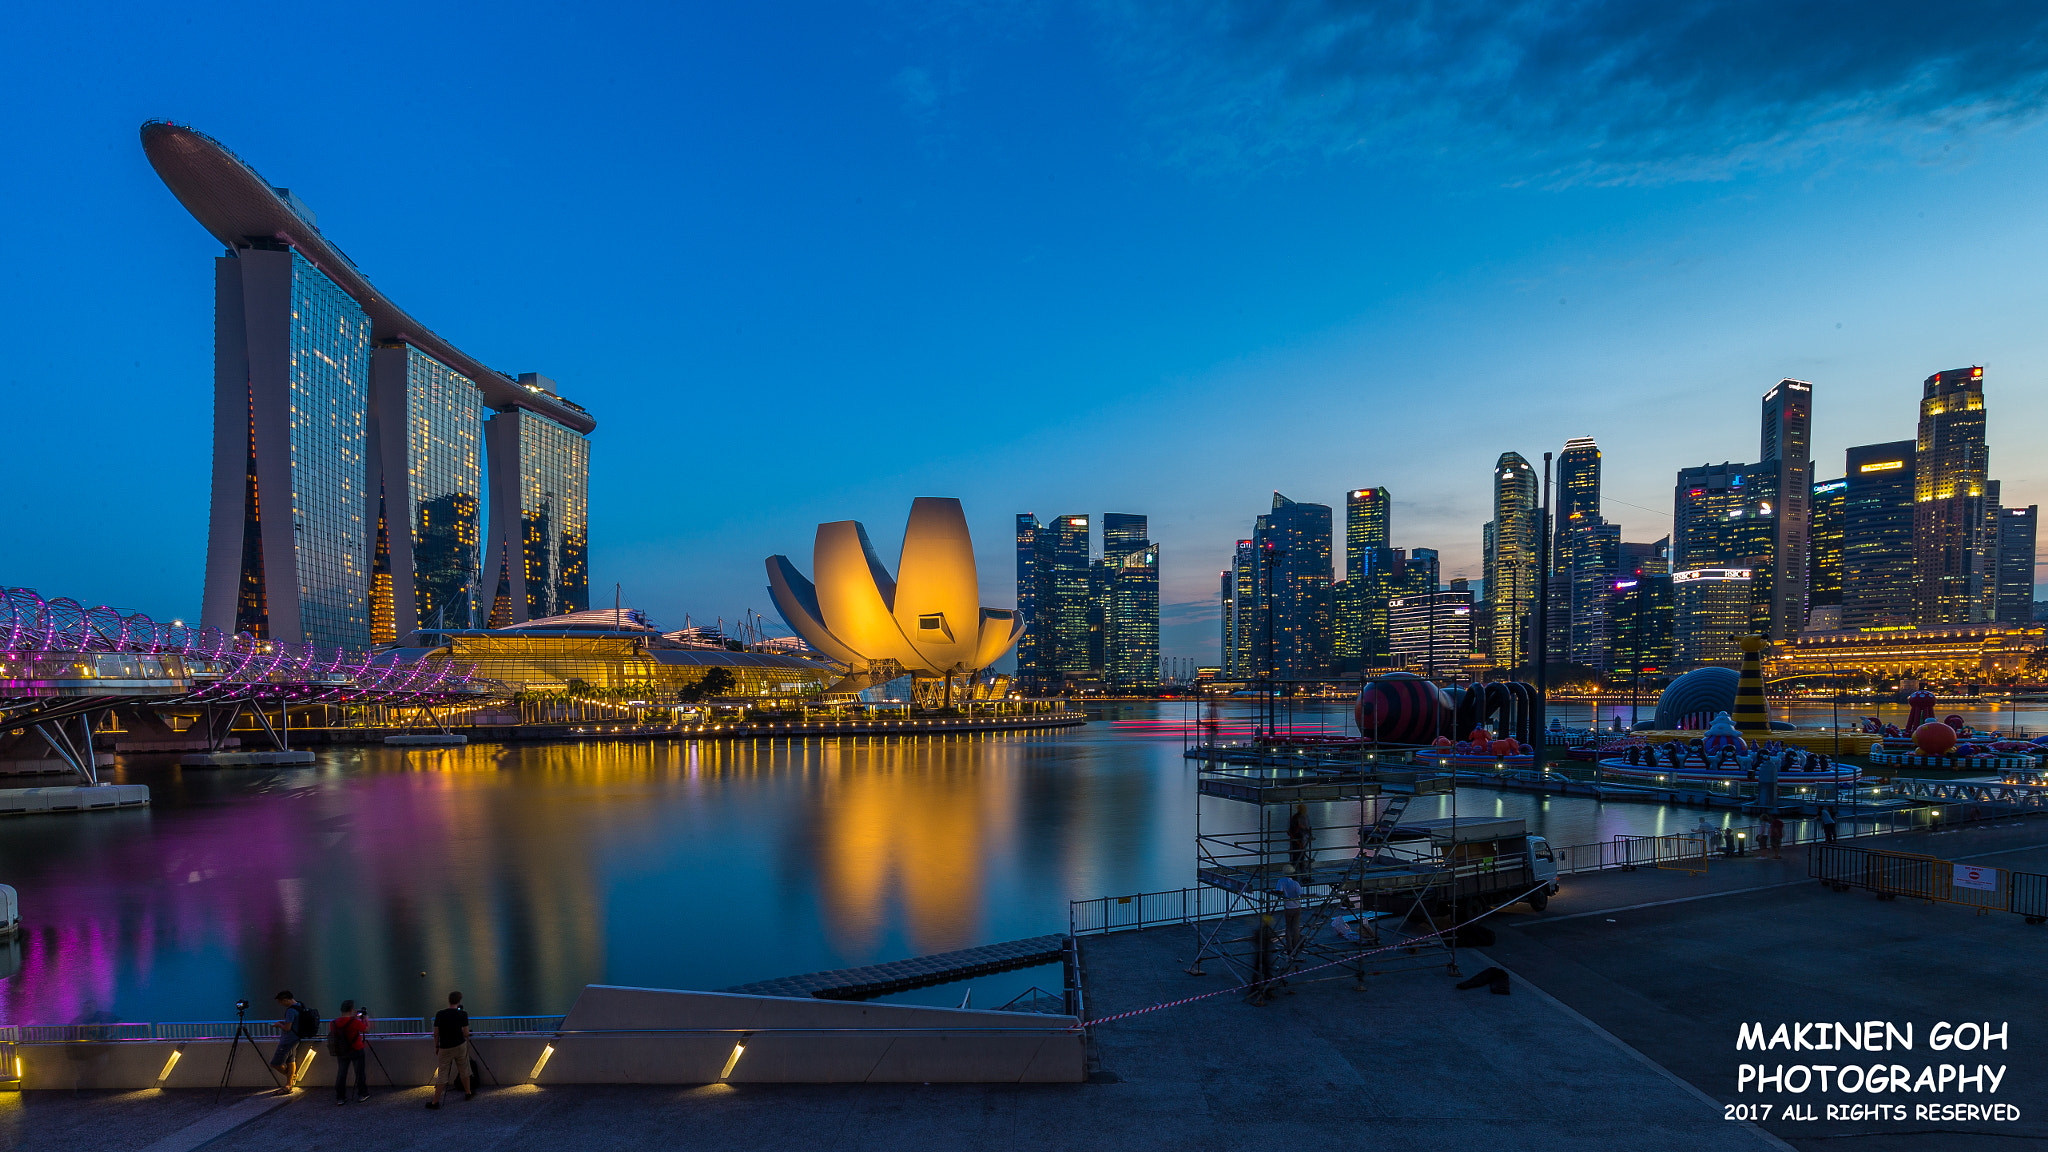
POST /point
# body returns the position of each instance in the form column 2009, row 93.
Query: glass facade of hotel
column 329, row 382
column 543, row 528
column 1877, row 536
column 444, row 436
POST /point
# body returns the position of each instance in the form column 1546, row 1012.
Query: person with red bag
column 346, row 1043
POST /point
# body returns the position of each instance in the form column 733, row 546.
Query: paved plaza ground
column 1621, row 1026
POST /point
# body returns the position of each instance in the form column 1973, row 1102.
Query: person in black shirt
column 451, row 1049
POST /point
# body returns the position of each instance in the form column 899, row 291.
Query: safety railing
column 1929, row 878
column 1145, row 910
column 264, row 1030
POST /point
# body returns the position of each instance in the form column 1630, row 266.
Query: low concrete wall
column 641, row 1036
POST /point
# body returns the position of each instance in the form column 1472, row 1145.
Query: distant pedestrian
column 451, row 1050
column 346, row 1043
column 1262, row 962
column 299, row 1023
column 1299, row 838
column 1827, row 824
column 1777, row 833
column 1290, row 891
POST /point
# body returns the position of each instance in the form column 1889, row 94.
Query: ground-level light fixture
column 168, row 1065
column 546, row 1051
column 732, row 1061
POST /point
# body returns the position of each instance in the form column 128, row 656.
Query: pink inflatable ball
column 1934, row 739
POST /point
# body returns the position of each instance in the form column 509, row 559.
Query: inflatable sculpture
column 1401, row 708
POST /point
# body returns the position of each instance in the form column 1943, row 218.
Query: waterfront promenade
column 1621, row 1025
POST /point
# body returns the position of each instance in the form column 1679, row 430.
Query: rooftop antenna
column 618, row 620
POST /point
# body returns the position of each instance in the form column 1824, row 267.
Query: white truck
column 1459, row 868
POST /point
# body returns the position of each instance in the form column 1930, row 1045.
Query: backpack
column 308, row 1023
column 337, row 1040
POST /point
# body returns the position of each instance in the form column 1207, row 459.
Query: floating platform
column 918, row 972
column 244, row 759
column 428, row 738
column 78, row 798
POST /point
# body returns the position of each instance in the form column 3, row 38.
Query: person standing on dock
column 346, row 1044
column 1827, row 824
column 292, row 1029
column 1262, row 962
column 1299, row 837
column 1777, row 832
column 451, row 1050
column 1290, row 891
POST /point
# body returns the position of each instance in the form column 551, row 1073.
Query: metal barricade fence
column 2027, row 895
column 1145, row 910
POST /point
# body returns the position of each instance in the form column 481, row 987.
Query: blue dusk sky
column 805, row 262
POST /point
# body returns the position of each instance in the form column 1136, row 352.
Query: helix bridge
column 65, row 667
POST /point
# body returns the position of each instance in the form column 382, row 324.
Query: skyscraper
column 1723, row 521
column 1954, row 575
column 1877, row 536
column 1368, row 518
column 1578, row 498
column 289, row 554
column 426, row 452
column 1713, row 614
column 1824, row 556
column 1430, row 632
column 1510, row 555
column 346, row 484
column 1131, row 618
column 1122, row 534
column 1226, row 643
column 1034, row 591
column 1052, row 592
column 1245, row 593
column 1294, row 552
column 1589, row 584
column 2016, row 563
column 540, row 506
column 1787, row 454
column 1644, row 614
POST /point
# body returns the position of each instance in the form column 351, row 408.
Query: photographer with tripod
column 346, row 1043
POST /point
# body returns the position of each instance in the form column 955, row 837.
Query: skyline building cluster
column 1912, row 536
column 1090, row 618
column 352, row 453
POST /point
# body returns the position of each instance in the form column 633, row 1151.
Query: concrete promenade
column 1621, row 1026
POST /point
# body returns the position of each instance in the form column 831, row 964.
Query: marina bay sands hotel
column 350, row 443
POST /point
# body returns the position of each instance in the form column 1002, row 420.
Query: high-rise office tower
column 2016, row 563
column 1713, row 614
column 1131, row 619
column 1589, row 585
column 1510, row 554
column 1824, row 556
column 426, row 451
column 1422, row 572
column 1723, row 519
column 1787, row 455
column 1430, row 633
column 1877, row 536
column 1954, row 575
column 1034, row 575
column 1122, row 534
column 1644, row 614
column 1368, row 518
column 1227, row 604
column 1296, row 562
column 1578, row 499
column 539, row 545
column 1244, row 573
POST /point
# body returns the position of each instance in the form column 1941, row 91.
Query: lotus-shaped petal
column 928, row 617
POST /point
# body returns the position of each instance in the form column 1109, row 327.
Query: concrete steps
column 916, row 972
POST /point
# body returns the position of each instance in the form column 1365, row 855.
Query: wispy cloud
column 1585, row 90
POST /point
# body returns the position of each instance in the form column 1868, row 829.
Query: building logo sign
column 1883, row 466
column 1690, row 575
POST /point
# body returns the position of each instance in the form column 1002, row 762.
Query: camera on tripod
column 241, row 1006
